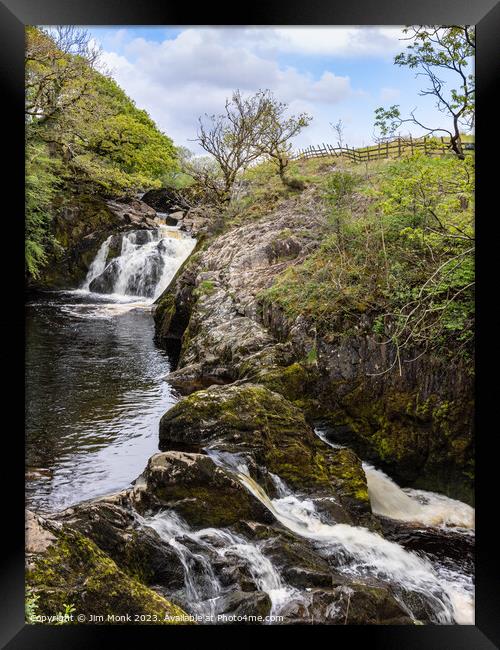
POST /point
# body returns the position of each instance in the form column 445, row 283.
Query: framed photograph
column 251, row 360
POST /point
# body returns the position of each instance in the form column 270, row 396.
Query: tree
column 338, row 127
column 435, row 50
column 57, row 67
column 232, row 137
column 277, row 132
column 81, row 128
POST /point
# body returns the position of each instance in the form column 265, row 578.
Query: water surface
column 94, row 395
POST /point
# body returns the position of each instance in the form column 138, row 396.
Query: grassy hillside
column 397, row 247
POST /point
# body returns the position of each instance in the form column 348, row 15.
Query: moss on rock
column 425, row 443
column 251, row 419
column 75, row 571
column 204, row 494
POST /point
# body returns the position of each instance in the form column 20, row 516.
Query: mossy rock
column 141, row 553
column 73, row 570
column 422, row 443
column 202, row 493
column 293, row 381
column 250, row 419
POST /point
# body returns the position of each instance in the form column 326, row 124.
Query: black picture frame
column 485, row 14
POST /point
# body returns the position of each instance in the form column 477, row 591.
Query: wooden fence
column 390, row 149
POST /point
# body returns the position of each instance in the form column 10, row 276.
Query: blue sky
column 178, row 73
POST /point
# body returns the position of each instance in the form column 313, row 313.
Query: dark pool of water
column 95, row 392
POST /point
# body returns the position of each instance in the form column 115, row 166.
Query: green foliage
column 387, row 120
column 64, row 617
column 31, row 606
column 442, row 55
column 406, row 260
column 427, row 207
column 40, row 185
column 339, row 187
column 81, row 128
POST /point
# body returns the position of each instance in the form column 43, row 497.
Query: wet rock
column 249, row 419
column 141, row 283
column 74, row 570
column 202, row 493
column 237, row 606
column 134, row 212
column 448, row 546
column 347, row 605
column 140, row 552
column 105, row 282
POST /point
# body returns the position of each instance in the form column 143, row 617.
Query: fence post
column 442, row 144
column 425, row 145
column 411, row 144
column 387, row 149
column 399, row 146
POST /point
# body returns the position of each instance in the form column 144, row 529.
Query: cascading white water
column 202, row 588
column 361, row 552
column 99, row 263
column 147, row 262
column 419, row 506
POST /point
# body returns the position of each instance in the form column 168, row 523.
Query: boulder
column 355, row 604
column 134, row 212
column 138, row 551
column 250, row 420
column 161, row 200
column 73, row 570
column 237, row 606
column 202, row 493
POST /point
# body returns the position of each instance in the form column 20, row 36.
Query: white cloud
column 179, row 79
column 339, row 41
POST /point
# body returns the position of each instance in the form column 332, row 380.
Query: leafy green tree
column 58, row 64
column 80, row 128
column 40, row 186
column 435, row 50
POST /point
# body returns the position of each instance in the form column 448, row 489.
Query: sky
column 178, row 74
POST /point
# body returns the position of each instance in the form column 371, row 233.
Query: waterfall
column 197, row 550
column 361, row 552
column 99, row 263
column 418, row 506
column 147, row 262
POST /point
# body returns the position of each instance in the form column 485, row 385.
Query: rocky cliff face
column 417, row 425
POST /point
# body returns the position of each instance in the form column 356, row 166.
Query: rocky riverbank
column 417, row 425
column 246, row 511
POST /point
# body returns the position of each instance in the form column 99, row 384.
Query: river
column 95, row 388
column 95, row 392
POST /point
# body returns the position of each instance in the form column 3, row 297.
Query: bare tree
column 278, row 131
column 434, row 50
column 232, row 138
column 338, row 127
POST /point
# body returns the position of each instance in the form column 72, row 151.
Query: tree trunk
column 456, row 141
